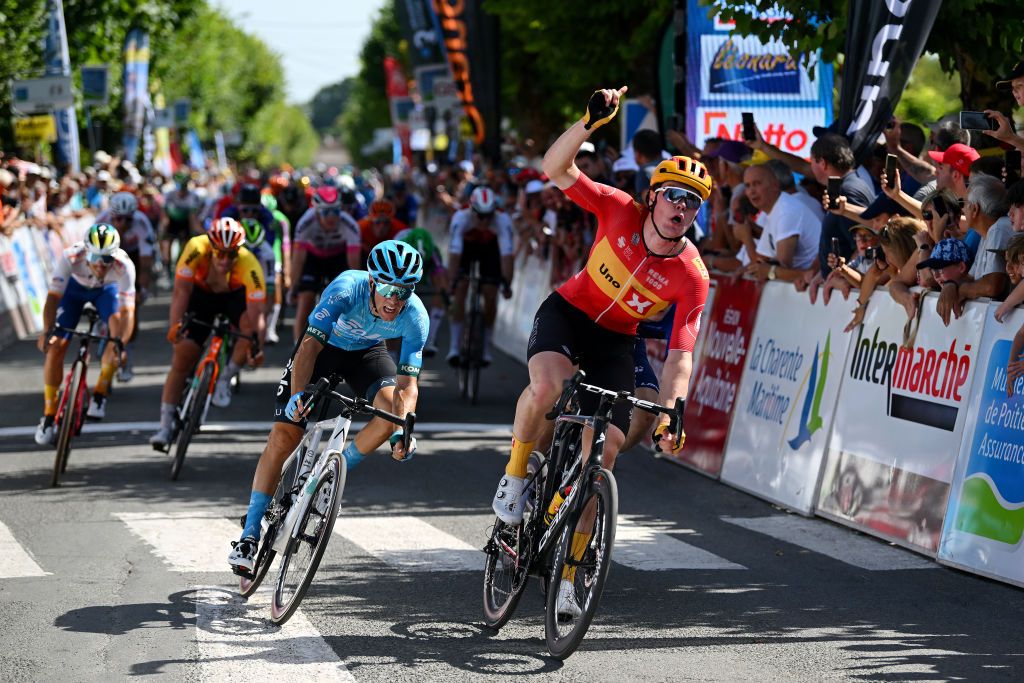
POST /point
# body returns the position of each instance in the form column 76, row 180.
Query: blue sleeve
column 414, row 336
column 335, row 302
column 972, row 239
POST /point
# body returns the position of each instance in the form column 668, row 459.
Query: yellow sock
column 103, row 384
column 50, row 399
column 521, row 450
column 580, row 541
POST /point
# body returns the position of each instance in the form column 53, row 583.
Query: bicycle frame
column 85, row 341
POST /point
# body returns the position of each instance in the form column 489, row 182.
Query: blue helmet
column 396, row 263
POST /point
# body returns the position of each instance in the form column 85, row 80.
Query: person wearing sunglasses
column 640, row 264
column 96, row 271
column 215, row 274
column 345, row 335
column 327, row 242
column 480, row 233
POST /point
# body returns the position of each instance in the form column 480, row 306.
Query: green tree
column 281, row 133
column 328, row 103
column 976, row 39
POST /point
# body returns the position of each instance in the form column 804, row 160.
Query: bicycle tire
column 282, row 607
column 498, row 612
column 603, row 488
column 66, row 425
column 266, row 554
column 191, row 422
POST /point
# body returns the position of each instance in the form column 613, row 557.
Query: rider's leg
column 186, row 353
column 642, row 423
column 490, row 293
column 111, row 357
column 457, row 318
column 282, row 441
column 53, row 366
column 548, row 370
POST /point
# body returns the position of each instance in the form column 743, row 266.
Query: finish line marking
column 259, row 426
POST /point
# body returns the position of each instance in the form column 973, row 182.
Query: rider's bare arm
column 675, row 379
column 302, row 364
column 406, row 394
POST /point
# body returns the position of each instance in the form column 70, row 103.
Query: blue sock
column 352, row 455
column 258, row 504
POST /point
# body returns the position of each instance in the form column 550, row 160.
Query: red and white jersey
column 465, row 230
column 621, row 284
column 74, row 264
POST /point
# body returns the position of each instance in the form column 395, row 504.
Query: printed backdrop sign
column 714, row 386
column 985, row 517
column 899, row 422
column 787, row 397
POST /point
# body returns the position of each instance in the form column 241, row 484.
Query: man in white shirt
column 789, row 242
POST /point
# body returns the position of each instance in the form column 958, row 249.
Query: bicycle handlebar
column 322, row 388
column 116, row 341
column 222, row 330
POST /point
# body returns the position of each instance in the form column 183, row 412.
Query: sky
column 318, row 40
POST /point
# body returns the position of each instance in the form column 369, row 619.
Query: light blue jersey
column 343, row 319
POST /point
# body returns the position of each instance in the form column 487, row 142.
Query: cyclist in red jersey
column 640, row 264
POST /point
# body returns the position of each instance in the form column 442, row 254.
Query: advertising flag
column 727, row 75
column 58, row 63
column 136, row 89
column 883, row 43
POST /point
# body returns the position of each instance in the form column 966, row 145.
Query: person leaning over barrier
column 896, row 244
column 1014, row 256
column 845, row 276
column 985, row 211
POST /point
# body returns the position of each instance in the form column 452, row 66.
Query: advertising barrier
column 530, row 287
column 899, row 422
column 714, row 385
column 985, row 517
column 787, row 397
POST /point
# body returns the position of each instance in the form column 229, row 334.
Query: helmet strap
column 651, row 200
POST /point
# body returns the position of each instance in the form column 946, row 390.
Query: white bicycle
column 300, row 519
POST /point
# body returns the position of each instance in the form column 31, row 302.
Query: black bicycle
column 471, row 350
column 562, row 488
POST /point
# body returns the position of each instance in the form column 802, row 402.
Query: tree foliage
column 977, row 39
column 280, row 133
column 328, row 103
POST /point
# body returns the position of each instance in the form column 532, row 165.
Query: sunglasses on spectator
column 105, row 259
column 394, row 291
column 227, row 254
column 681, row 197
column 330, row 211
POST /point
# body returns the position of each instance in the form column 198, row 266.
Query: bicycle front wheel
column 66, row 424
column 191, row 420
column 505, row 572
column 565, row 632
column 266, row 554
column 301, row 559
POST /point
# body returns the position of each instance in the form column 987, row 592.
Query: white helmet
column 483, row 200
column 123, row 204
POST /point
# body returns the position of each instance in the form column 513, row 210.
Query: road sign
column 163, row 118
column 182, row 110
column 95, row 85
column 35, row 129
column 35, row 95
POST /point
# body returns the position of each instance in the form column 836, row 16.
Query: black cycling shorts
column 177, row 230
column 605, row 356
column 204, row 306
column 365, row 371
column 489, row 257
column 317, row 272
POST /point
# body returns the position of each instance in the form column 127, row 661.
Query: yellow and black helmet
column 685, row 170
column 102, row 240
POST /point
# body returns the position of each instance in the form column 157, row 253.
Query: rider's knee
column 545, row 391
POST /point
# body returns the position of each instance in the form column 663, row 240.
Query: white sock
column 455, row 341
column 167, row 411
column 275, row 313
column 436, row 317
column 229, row 372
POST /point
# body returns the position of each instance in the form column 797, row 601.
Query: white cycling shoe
column 222, row 394
column 567, row 607
column 97, row 407
column 243, row 554
column 44, row 432
column 509, row 501
column 161, row 439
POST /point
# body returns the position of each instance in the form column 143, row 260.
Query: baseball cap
column 534, row 186
column 883, row 204
column 957, row 155
column 624, row 165
column 865, row 228
column 1018, row 72
column 104, row 175
column 946, row 253
column 833, row 127
column 730, row 150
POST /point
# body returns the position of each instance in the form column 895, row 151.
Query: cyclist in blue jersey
column 646, row 380
column 345, row 335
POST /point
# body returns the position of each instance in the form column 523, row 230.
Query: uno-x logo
column 635, row 303
column 609, row 277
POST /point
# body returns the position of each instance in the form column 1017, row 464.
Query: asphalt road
column 121, row 573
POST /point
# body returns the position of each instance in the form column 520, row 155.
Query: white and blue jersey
column 343, row 319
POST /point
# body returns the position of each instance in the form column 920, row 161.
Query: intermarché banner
column 787, row 397
column 985, row 519
column 899, row 422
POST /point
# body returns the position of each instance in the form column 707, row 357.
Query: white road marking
column 262, row 426
column 410, row 544
column 648, row 547
column 237, row 642
column 15, row 562
column 185, row 541
column 831, row 540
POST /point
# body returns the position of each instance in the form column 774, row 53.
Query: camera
column 873, row 254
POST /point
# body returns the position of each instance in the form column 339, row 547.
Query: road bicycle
column 541, row 544
column 74, row 394
column 300, row 518
column 195, row 401
column 471, row 350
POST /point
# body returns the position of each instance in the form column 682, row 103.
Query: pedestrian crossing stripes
column 15, row 562
column 410, row 544
column 185, row 541
column 648, row 547
column 237, row 643
column 835, row 542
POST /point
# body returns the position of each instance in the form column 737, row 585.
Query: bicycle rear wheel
column 505, row 572
column 191, row 421
column 302, row 558
column 67, row 417
column 564, row 635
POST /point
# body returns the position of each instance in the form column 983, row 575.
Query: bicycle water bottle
column 556, row 503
